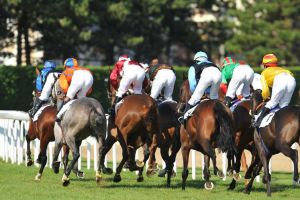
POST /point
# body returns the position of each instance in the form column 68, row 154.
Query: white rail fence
column 14, row 127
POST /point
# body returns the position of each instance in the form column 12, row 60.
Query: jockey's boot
column 227, row 101
column 181, row 119
column 112, row 110
column 36, row 105
column 263, row 113
column 58, row 119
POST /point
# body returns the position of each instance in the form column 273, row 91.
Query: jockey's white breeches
column 210, row 77
column 81, row 83
column 132, row 74
column 241, row 80
column 282, row 91
column 47, row 89
column 256, row 83
column 164, row 79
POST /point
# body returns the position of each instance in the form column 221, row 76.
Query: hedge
column 17, row 84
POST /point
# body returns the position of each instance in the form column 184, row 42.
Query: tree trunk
column 19, row 42
column 26, row 38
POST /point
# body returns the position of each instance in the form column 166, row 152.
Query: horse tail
column 225, row 123
column 97, row 123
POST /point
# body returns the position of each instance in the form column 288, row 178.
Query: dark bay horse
column 277, row 137
column 210, row 126
column 168, row 138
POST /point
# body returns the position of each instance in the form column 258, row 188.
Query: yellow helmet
column 270, row 60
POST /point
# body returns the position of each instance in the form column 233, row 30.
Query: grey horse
column 85, row 117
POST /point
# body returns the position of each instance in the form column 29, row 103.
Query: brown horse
column 136, row 122
column 277, row 137
column 43, row 129
column 210, row 126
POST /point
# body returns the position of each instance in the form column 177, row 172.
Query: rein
column 259, row 107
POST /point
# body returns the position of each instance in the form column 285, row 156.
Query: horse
column 277, row 137
column 167, row 138
column 211, row 126
column 85, row 117
column 134, row 125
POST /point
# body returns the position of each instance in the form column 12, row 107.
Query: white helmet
column 124, row 57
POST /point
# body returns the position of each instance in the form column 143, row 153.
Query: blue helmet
column 201, row 56
column 49, row 64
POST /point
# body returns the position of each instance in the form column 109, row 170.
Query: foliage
column 267, row 26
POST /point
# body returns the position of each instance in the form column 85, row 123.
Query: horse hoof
column 208, row 185
column 139, row 164
column 162, row 173
column 150, row 173
column 98, row 177
column 236, row 176
column 117, row 178
column 65, row 180
column 80, row 175
column 296, row 182
column 173, row 174
column 38, row 177
column 230, row 173
column 55, row 167
column 107, row 170
column 246, row 191
column 140, row 179
column 220, row 174
column 29, row 163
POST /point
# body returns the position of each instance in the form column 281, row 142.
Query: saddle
column 189, row 113
column 268, row 118
column 39, row 112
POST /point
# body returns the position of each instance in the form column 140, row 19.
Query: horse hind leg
column 170, row 163
column 74, row 146
column 55, row 162
column 293, row 155
column 140, row 177
column 185, row 172
column 42, row 158
column 123, row 143
column 28, row 152
column 107, row 145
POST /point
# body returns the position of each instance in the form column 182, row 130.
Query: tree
column 265, row 27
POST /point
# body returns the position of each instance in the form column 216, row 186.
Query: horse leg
column 55, row 162
column 106, row 147
column 236, row 171
column 264, row 159
column 257, row 165
column 185, row 157
column 100, row 146
column 28, row 152
column 74, row 146
column 65, row 157
column 229, row 167
column 43, row 158
column 293, row 155
column 170, row 163
column 208, row 185
column 146, row 157
column 123, row 143
column 152, row 165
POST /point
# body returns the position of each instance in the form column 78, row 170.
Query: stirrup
column 181, row 120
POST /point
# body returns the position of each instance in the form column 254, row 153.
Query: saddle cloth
column 189, row 113
column 65, row 108
column 39, row 112
column 235, row 103
column 164, row 101
column 268, row 118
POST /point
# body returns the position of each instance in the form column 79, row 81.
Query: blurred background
column 96, row 32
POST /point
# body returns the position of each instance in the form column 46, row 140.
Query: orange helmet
column 270, row 60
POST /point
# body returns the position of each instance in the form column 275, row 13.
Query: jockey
column 117, row 70
column 131, row 72
column 162, row 77
column 202, row 75
column 75, row 82
column 280, row 80
column 238, row 77
column 44, row 84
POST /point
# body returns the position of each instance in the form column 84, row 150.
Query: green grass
column 17, row 182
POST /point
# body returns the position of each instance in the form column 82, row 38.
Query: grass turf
column 17, row 182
